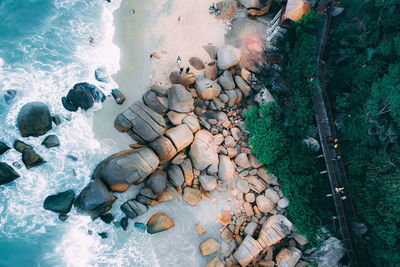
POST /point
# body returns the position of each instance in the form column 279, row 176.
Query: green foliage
column 364, row 54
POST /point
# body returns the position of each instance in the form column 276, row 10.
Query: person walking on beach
column 132, row 11
column 187, row 69
column 179, row 64
column 91, row 40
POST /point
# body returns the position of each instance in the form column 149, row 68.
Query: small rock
column 191, row 196
column 229, row 141
column 209, row 247
column 60, row 203
column 243, row 186
column 248, row 209
column 107, row 218
column 3, row 148
column 208, row 182
column 250, row 197
column 118, row 96
column 226, row 80
column 283, row 203
column 51, row 141
column 124, row 223
column 200, row 229
column 227, row 235
column 175, row 175
column 103, row 235
column 7, row 173
column 140, row 226
column 31, row 159
column 9, row 96
column 133, row 208
column 157, row 181
column 101, row 75
column 242, row 160
column 56, row 119
column 250, row 228
column 264, row 204
column 62, row 217
column 272, row 195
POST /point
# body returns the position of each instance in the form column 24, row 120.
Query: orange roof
column 295, row 9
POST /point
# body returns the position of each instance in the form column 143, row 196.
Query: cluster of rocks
column 34, row 119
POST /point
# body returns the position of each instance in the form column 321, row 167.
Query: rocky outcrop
column 179, row 99
column 60, row 203
column 203, row 151
column 7, row 173
column 143, row 124
column 207, row 89
column 159, row 222
column 34, row 119
column 94, row 199
column 228, row 56
column 122, row 169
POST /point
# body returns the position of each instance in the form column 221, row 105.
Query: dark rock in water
column 133, row 208
column 60, row 203
column 124, row 223
column 9, row 95
column 93, row 90
column 63, row 217
column 103, row 235
column 72, row 157
column 3, row 148
column 94, row 199
column 102, row 75
column 51, row 141
column 34, row 119
column 80, row 98
column 21, row 146
column 17, row 165
column 120, row 170
column 140, row 226
column 7, row 173
column 68, row 105
column 90, row 232
column 118, row 96
column 31, row 159
column 107, row 218
column 158, row 223
column 56, row 119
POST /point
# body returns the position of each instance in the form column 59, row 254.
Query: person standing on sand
column 132, row 11
column 187, row 69
column 179, row 63
column 91, row 40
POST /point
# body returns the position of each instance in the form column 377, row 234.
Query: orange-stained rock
column 159, row 222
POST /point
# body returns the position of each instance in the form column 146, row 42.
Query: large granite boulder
column 120, row 170
column 157, row 103
column 185, row 79
column 7, row 173
column 181, row 136
column 207, row 89
column 93, row 90
column 226, row 80
column 147, row 124
column 60, row 203
column 157, row 181
column 34, row 119
column 164, row 148
column 228, row 56
column 133, row 208
column 159, row 222
column 203, row 151
column 94, row 199
column 179, row 99
column 82, row 95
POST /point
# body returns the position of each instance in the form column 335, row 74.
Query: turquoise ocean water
column 44, row 51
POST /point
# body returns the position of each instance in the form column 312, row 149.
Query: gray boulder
column 7, row 173
column 157, row 103
column 203, row 151
column 157, row 181
column 228, row 56
column 164, row 148
column 206, row 89
column 175, row 175
column 51, row 141
column 3, row 148
column 31, row 159
column 147, row 124
column 226, row 80
column 34, row 119
column 94, row 199
column 179, row 99
column 133, row 208
column 122, row 169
